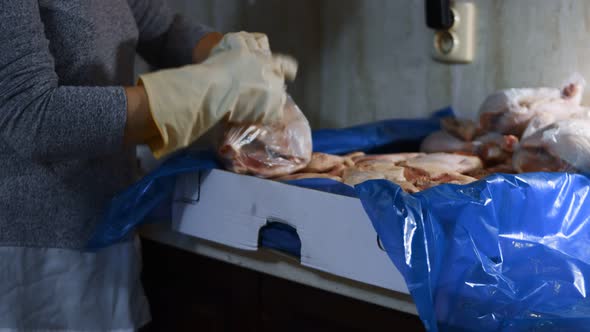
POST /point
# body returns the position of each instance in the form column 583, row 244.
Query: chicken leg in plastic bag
column 510, row 111
column 492, row 148
column 268, row 150
column 561, row 147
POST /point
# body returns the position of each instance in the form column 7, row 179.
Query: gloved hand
column 240, row 81
column 254, row 41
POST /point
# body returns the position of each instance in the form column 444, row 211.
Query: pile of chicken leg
column 411, row 171
column 518, row 130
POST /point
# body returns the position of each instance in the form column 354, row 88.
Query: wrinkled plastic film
column 268, row 150
column 511, row 111
column 563, row 146
column 129, row 209
column 508, row 253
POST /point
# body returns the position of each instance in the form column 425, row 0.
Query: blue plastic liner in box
column 151, row 194
column 507, row 253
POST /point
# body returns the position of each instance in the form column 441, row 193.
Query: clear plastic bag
column 493, row 148
column 563, row 146
column 554, row 114
column 510, row 111
column 268, row 150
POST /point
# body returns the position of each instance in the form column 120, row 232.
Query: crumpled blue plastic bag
column 508, row 253
column 132, row 207
column 395, row 135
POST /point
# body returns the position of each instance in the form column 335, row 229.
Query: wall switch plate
column 457, row 45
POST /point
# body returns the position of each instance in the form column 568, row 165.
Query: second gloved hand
column 235, row 82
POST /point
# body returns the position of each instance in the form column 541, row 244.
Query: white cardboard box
column 336, row 235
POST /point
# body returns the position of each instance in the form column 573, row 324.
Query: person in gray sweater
column 70, row 118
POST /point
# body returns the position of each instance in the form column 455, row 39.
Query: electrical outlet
column 457, row 45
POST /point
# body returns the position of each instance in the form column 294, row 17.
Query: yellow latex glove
column 254, row 41
column 240, row 80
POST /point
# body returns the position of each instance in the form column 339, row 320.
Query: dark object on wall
column 438, row 14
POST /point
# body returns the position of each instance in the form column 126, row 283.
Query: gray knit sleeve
column 165, row 38
column 39, row 118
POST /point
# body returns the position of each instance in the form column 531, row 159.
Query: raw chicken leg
column 442, row 141
column 562, row 146
column 354, row 176
column 394, row 157
column 268, row 150
column 549, row 116
column 423, row 179
column 337, row 170
column 510, row 111
column 463, row 129
column 505, row 168
column 381, row 166
column 301, row 176
column 437, row 168
column 438, row 164
column 494, row 148
column 322, row 162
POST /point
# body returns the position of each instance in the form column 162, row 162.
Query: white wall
column 524, row 42
column 363, row 60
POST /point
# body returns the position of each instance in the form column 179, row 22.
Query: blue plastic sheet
column 394, row 135
column 152, row 194
column 508, row 253
column 280, row 237
column 130, row 208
